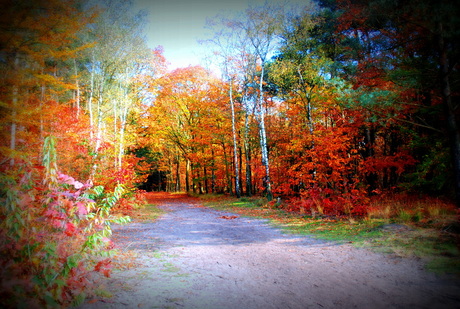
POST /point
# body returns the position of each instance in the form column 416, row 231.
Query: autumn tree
column 187, row 114
column 245, row 42
column 42, row 237
column 229, row 42
column 413, row 45
column 111, row 67
column 53, row 226
column 261, row 26
column 36, row 40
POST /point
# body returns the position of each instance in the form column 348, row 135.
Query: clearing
column 196, row 257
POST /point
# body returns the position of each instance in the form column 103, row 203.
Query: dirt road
column 195, row 257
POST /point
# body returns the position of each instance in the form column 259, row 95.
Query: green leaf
column 50, row 301
column 122, row 220
column 38, row 280
column 49, row 278
column 72, row 261
column 78, row 300
column 59, row 282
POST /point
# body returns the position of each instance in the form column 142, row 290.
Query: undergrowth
column 54, row 234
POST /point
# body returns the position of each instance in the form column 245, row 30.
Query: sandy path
column 193, row 258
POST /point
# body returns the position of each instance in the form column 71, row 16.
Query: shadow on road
column 188, row 224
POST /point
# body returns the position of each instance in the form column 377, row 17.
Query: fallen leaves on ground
column 228, row 217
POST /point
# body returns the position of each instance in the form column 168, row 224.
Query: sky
column 177, row 25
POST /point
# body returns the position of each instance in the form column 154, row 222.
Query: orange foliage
column 191, row 118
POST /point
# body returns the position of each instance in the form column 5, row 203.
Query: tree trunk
column 206, row 184
column 247, row 153
column 123, row 118
column 98, row 141
column 235, row 148
column 263, row 139
column 227, row 170
column 90, row 100
column 213, row 172
column 116, row 146
column 187, row 175
column 77, row 86
column 240, row 155
column 369, row 139
column 177, row 186
column 194, row 184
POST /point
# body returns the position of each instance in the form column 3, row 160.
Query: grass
column 148, row 213
column 169, row 267
column 423, row 230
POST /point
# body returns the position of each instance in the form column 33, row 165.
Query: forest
column 321, row 110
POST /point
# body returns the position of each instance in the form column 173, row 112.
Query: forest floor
column 197, row 257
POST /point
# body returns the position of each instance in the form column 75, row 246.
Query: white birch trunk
column 99, row 119
column 77, row 85
column 247, row 155
column 97, row 144
column 263, row 137
column 115, row 132
column 121, row 150
column 90, row 101
column 235, row 148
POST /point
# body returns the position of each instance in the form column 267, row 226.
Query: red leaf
column 70, row 229
column 228, row 217
column 104, row 267
column 70, row 181
column 107, row 272
column 81, row 209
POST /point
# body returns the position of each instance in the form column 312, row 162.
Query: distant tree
column 261, row 27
